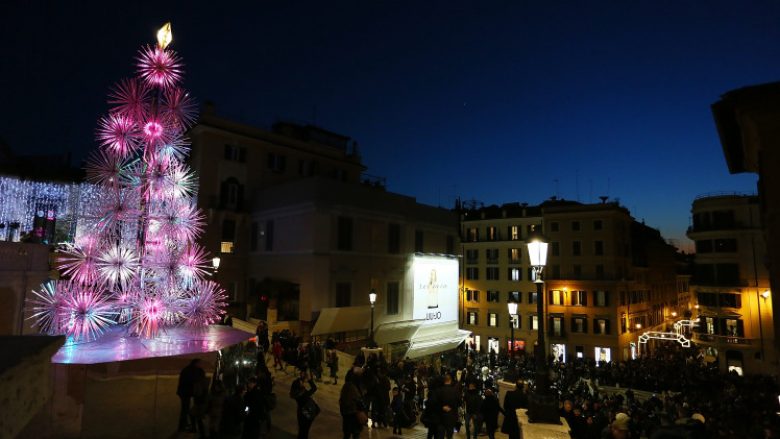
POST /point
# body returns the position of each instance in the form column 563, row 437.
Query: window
column 554, row 226
column 556, row 297
column 418, row 241
column 576, row 248
column 601, row 298
column 514, row 274
column 493, row 296
column 492, row 233
column 533, row 322
column 579, row 351
column 492, row 255
column 599, row 271
column 598, row 225
column 235, row 153
column 579, row 298
column 514, row 233
column 343, row 294
column 472, row 295
column 450, row 250
column 472, row 318
column 556, row 328
column 269, row 235
column 394, row 238
column 579, row 325
column 555, row 271
column 276, row 162
column 598, row 248
column 231, row 195
column 601, row 326
column 472, row 273
column 492, row 319
column 491, row 273
column 472, row 234
column 344, row 233
column 255, row 236
column 228, row 236
column 733, row 328
column 704, row 246
column 532, row 297
column 514, row 296
column 472, row 256
column 392, row 298
column 231, row 291
column 575, row 226
column 577, row 271
column 514, row 255
column 555, row 248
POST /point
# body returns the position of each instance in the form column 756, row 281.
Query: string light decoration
column 134, row 261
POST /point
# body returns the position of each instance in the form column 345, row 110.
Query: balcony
column 721, row 339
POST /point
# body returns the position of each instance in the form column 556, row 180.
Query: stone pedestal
column 538, row 431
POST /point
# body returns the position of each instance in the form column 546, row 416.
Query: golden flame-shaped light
column 164, row 36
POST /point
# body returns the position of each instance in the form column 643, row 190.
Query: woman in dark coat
column 302, row 397
column 490, row 411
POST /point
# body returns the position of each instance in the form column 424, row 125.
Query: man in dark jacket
column 514, row 400
column 191, row 374
column 233, row 411
column 255, row 425
column 448, row 398
column 351, row 404
column 473, row 401
column 490, row 410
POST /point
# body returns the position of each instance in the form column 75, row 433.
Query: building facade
column 730, row 284
column 608, row 278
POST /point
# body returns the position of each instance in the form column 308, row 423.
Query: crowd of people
column 668, row 394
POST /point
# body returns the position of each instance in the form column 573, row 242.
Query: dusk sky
column 497, row 101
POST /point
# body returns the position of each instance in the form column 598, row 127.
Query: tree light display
column 136, row 263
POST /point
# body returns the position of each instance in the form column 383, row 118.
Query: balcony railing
column 721, row 339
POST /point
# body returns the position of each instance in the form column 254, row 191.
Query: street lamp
column 372, row 299
column 215, row 263
column 512, row 308
column 542, row 404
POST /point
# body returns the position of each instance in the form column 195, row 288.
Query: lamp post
column 512, row 308
column 372, row 299
column 215, row 263
column 542, row 404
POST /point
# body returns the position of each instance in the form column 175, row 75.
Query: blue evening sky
column 497, row 101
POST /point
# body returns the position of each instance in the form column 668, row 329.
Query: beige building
column 608, row 278
column 730, row 284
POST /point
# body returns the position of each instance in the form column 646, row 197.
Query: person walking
column 514, row 399
column 255, row 422
column 397, row 405
column 306, row 406
column 233, row 412
column 277, row 352
column 448, row 398
column 473, row 402
column 351, row 405
column 333, row 365
column 188, row 376
column 490, row 410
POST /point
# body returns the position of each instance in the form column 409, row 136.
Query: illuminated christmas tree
column 135, row 261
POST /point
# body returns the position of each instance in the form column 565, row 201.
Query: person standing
column 490, row 410
column 514, row 399
column 303, row 400
column 473, row 402
column 333, row 365
column 397, row 405
column 448, row 398
column 233, row 412
column 351, row 405
column 278, row 351
column 256, row 415
column 189, row 375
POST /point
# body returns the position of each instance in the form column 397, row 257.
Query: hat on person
column 621, row 422
column 698, row 417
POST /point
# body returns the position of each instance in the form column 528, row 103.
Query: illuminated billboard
column 435, row 289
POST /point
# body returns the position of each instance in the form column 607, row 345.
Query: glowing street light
column 372, row 299
column 215, row 263
column 164, row 36
column 512, row 308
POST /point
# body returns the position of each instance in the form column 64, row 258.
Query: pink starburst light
column 47, row 307
column 193, row 264
column 119, row 134
column 88, row 315
column 178, row 108
column 105, row 169
column 80, row 263
column 159, row 66
column 153, row 130
column 150, row 314
column 117, row 266
column 178, row 221
column 205, row 304
column 132, row 98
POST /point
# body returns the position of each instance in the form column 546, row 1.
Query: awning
column 335, row 320
column 395, row 332
column 431, row 339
